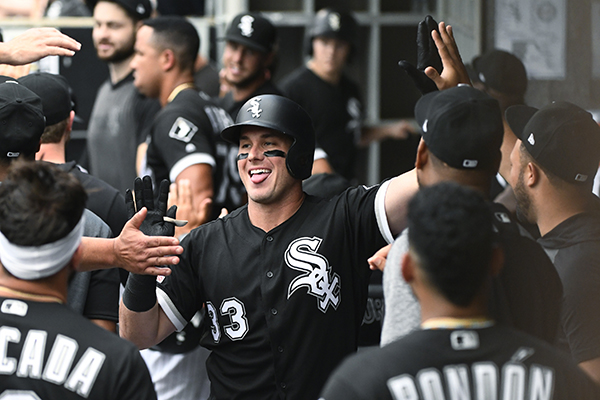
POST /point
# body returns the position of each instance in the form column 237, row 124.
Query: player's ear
column 422, row 155
column 407, row 268
column 167, row 59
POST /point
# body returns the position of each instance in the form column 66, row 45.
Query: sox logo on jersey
column 317, row 277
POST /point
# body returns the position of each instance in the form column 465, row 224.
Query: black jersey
column 336, row 112
column 183, row 133
column 285, row 305
column 528, row 291
column 49, row 352
column 574, row 247
column 488, row 363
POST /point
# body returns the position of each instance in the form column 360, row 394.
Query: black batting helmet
column 285, row 116
column 330, row 22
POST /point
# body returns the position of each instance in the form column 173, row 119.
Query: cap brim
column 473, row 74
column 518, row 117
column 246, row 42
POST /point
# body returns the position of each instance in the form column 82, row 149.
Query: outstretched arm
column 37, row 43
column 131, row 250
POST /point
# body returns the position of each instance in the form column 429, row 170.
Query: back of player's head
column 450, row 231
column 501, row 71
column 178, row 35
column 137, row 10
column 40, row 219
column 56, row 95
column 22, row 121
column 462, row 127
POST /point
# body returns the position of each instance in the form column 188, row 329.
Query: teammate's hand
column 427, row 56
column 141, row 254
column 154, row 223
column 37, row 43
column 454, row 71
column 377, row 260
column 180, row 195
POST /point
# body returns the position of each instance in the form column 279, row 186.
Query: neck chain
column 179, row 88
column 454, row 323
column 30, row 296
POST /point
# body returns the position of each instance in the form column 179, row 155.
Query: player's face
column 145, row 64
column 525, row 209
column 113, row 33
column 265, row 178
column 330, row 54
column 242, row 65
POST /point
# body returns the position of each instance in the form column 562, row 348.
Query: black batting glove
column 427, row 56
column 154, row 224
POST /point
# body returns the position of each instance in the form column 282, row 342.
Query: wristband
column 140, row 292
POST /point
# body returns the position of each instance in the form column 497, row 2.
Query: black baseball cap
column 561, row 137
column 500, row 70
column 462, row 126
column 252, row 30
column 22, row 120
column 55, row 94
column 141, row 9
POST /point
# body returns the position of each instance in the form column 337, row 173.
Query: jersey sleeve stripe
column 188, row 161
column 170, row 310
column 320, row 153
column 380, row 214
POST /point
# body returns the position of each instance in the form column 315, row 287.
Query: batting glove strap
column 140, row 292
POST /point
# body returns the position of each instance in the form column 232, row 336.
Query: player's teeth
column 259, row 171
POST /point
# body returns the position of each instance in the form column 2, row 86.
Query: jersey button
column 283, row 385
column 280, row 349
column 269, row 274
column 273, row 311
column 269, row 238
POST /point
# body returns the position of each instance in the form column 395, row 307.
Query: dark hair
column 54, row 133
column 450, row 230
column 178, row 35
column 39, row 203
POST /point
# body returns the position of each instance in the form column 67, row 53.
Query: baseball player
column 459, row 352
column 121, row 116
column 331, row 98
column 48, row 351
column 284, row 279
column 462, row 136
column 248, row 56
column 181, row 143
column 553, row 163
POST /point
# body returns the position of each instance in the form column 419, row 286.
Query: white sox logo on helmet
column 317, row 277
column 255, row 107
